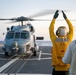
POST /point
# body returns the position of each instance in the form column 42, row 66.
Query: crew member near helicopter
column 60, row 43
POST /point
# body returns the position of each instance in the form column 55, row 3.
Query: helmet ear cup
column 57, row 32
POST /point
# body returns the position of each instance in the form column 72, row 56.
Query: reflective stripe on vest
column 62, row 40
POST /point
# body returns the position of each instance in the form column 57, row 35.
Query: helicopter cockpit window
column 10, row 35
column 25, row 35
column 17, row 34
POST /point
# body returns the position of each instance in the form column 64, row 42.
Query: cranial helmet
column 61, row 31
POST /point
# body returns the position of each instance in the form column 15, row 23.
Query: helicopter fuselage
column 20, row 39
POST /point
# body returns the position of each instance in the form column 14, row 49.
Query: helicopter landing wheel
column 6, row 53
column 34, row 53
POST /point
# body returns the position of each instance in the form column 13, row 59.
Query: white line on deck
column 8, row 64
column 40, row 55
column 46, row 53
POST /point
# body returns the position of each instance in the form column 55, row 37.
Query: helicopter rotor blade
column 30, row 18
column 41, row 20
column 18, row 19
column 8, row 19
column 4, row 19
column 45, row 12
column 51, row 20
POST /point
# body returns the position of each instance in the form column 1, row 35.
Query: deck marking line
column 46, row 53
column 40, row 55
column 8, row 64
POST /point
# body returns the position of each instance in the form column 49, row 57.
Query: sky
column 17, row 8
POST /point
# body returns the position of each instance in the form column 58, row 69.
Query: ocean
column 44, row 43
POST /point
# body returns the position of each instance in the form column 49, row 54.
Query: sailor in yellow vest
column 60, row 43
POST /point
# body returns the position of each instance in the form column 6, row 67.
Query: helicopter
column 21, row 38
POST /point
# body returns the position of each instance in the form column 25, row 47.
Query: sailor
column 60, row 43
column 70, row 58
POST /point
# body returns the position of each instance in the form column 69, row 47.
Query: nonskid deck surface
column 34, row 65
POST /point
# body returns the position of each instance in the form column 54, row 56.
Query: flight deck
column 21, row 64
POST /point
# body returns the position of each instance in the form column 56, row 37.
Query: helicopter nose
column 15, row 46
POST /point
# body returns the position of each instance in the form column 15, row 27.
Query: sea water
column 44, row 43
